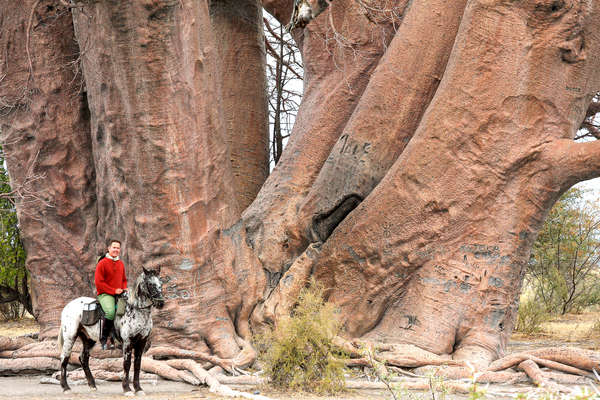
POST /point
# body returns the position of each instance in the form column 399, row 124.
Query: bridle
column 151, row 299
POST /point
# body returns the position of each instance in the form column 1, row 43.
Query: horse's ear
column 146, row 272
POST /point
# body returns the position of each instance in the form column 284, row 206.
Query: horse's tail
column 60, row 340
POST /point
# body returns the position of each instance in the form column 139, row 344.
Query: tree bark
column 242, row 63
column 151, row 100
column 44, row 119
column 445, row 257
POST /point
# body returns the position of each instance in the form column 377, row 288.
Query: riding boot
column 107, row 327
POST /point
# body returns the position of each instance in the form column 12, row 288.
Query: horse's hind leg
column 84, row 358
column 138, row 349
column 64, row 361
column 67, row 345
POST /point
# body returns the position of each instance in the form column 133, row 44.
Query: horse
column 132, row 329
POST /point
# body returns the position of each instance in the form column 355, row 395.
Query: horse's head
column 153, row 287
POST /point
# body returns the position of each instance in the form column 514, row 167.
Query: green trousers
column 107, row 302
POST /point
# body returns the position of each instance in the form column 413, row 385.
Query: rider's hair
column 111, row 241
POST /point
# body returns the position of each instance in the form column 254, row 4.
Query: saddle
column 92, row 312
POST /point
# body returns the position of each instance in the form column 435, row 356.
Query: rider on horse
column 110, row 281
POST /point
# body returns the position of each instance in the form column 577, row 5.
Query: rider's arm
column 99, row 278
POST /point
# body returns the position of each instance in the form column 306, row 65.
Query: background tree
column 14, row 288
column 563, row 272
column 590, row 127
column 284, row 78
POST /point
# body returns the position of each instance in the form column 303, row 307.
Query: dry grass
column 582, row 329
column 19, row 327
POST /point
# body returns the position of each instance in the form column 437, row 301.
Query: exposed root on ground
column 7, row 343
column 551, row 368
column 18, row 356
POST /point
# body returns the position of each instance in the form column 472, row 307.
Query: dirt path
column 30, row 388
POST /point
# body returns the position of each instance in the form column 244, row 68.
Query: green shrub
column 298, row 354
column 531, row 315
column 563, row 268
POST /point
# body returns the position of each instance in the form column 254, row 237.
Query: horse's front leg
column 138, row 351
column 126, row 366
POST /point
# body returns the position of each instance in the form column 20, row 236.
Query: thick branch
column 576, row 161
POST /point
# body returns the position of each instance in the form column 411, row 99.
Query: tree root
column 566, row 379
column 162, row 352
column 399, row 355
column 456, row 373
column 7, row 343
column 28, row 365
column 537, row 376
column 581, row 359
column 563, row 365
column 23, row 355
column 550, row 368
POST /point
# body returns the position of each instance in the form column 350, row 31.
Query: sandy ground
column 30, row 388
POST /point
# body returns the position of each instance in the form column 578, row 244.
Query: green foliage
column 475, row 393
column 298, row 354
column 13, row 275
column 563, row 270
column 531, row 315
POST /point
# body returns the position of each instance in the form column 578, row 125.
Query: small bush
column 594, row 331
column 11, row 311
column 298, row 354
column 531, row 315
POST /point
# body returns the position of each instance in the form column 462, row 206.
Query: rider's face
column 114, row 249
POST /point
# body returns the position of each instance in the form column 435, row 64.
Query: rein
column 142, row 307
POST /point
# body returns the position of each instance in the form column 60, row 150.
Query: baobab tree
column 431, row 141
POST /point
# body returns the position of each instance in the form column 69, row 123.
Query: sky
column 593, row 185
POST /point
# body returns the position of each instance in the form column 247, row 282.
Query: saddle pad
column 92, row 312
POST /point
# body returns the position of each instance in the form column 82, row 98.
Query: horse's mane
column 133, row 295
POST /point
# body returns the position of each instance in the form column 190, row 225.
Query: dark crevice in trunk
column 324, row 224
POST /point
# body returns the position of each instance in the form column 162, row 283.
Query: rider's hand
column 118, row 291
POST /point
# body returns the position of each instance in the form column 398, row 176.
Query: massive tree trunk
column 242, row 57
column 432, row 139
column 45, row 126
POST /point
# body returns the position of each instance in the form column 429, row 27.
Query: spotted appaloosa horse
column 133, row 329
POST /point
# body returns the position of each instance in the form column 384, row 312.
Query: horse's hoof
column 93, row 389
column 129, row 393
column 140, row 393
column 66, row 391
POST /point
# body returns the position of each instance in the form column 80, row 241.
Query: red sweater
column 110, row 275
